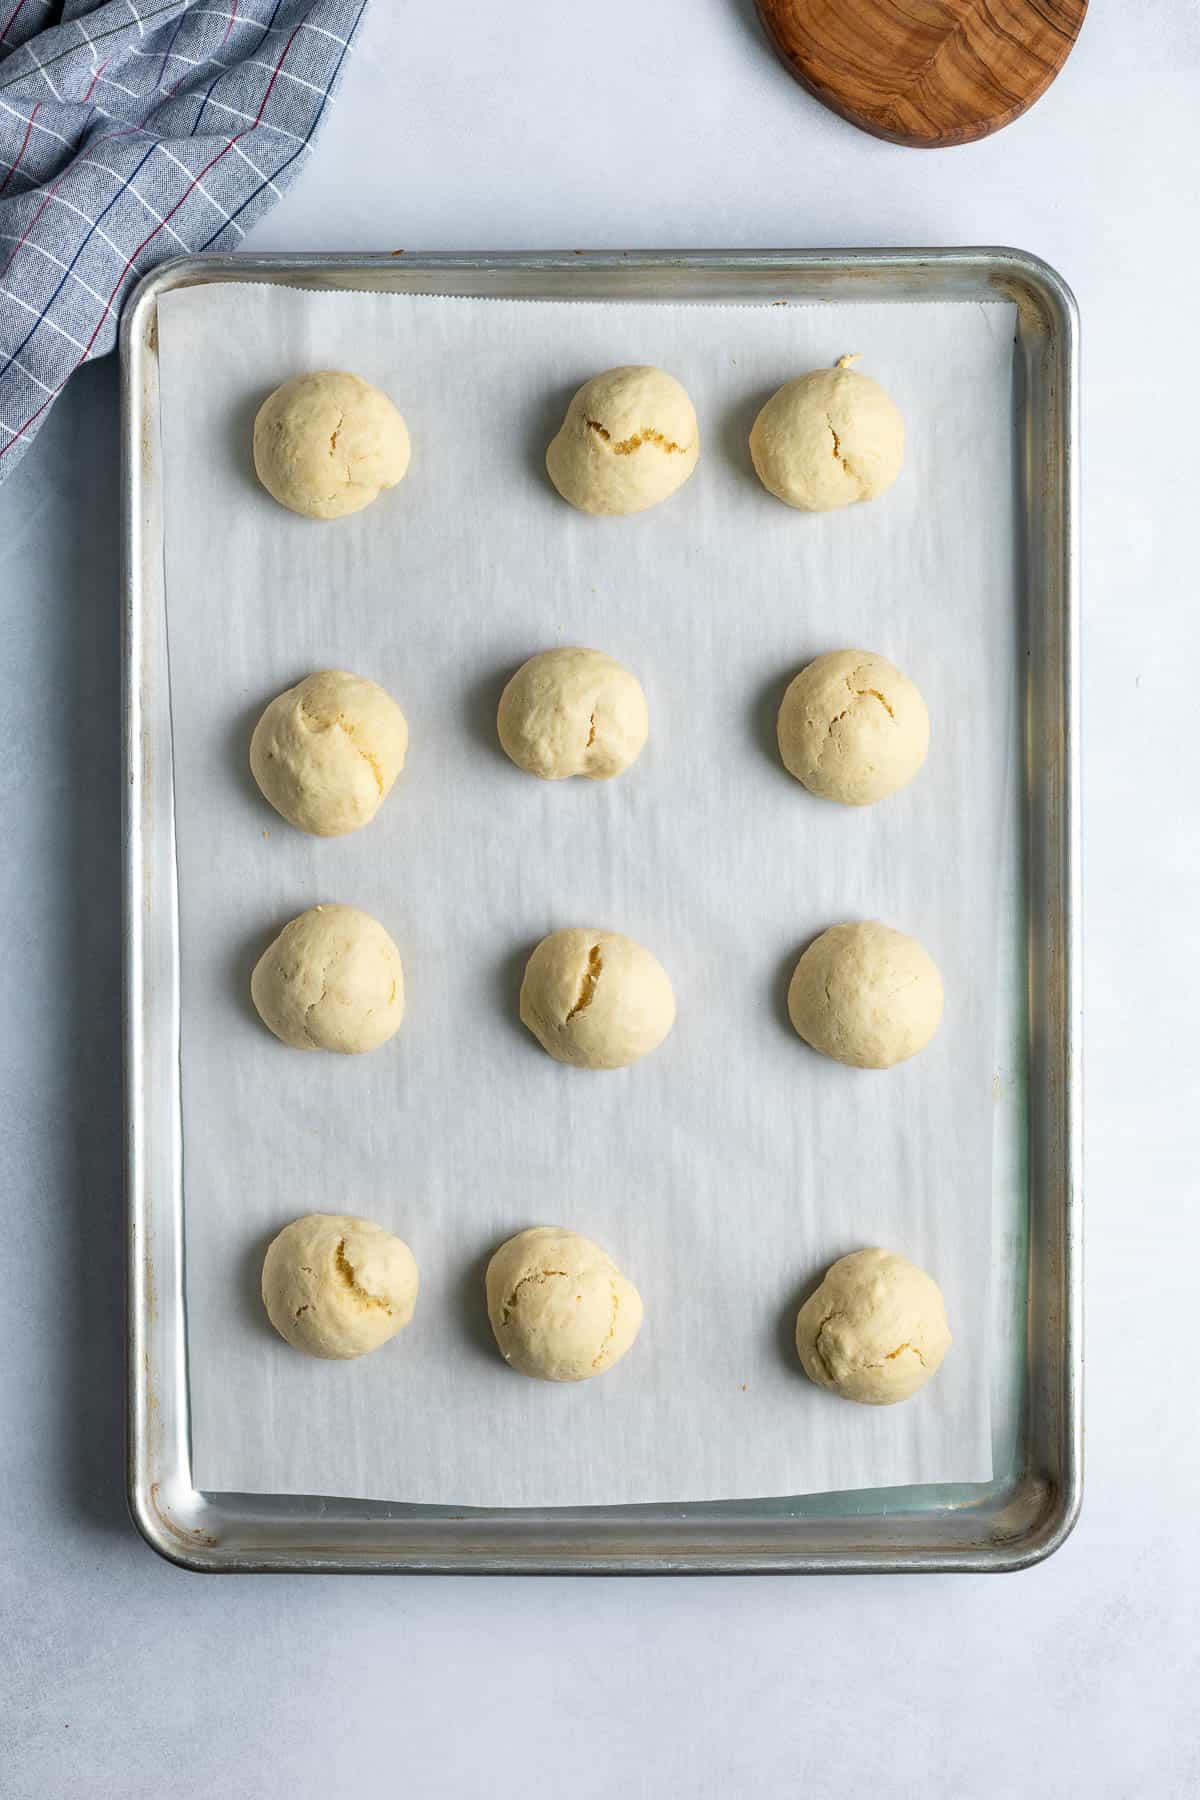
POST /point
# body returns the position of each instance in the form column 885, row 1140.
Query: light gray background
column 638, row 124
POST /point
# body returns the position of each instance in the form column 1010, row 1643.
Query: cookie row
column 560, row 1309
column 326, row 753
column 862, row 992
column 327, row 443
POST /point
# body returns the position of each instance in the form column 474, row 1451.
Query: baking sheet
column 726, row 1171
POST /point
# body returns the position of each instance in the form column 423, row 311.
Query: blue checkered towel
column 132, row 131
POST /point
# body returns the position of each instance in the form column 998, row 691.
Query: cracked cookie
column 332, row 980
column 875, row 1330
column 628, row 441
column 326, row 752
column 328, row 443
column 337, row 1286
column 827, row 439
column 866, row 995
column 852, row 728
column 573, row 712
column 596, row 999
column 560, row 1308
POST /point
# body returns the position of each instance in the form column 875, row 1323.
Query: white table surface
column 638, row 123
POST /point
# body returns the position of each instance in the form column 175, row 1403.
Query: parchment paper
column 725, row 1172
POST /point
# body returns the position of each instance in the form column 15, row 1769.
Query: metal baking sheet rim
column 1005, row 1525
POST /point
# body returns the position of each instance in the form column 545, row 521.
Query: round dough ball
column 827, row 439
column 326, row 752
column 866, row 995
column 332, row 980
column 337, row 1286
column 573, row 712
column 629, row 439
column 875, row 1330
column 559, row 1306
column 852, row 727
column 326, row 444
column 596, row 999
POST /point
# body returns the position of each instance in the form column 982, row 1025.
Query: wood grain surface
column 925, row 72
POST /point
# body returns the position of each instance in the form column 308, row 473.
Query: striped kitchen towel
column 132, row 131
